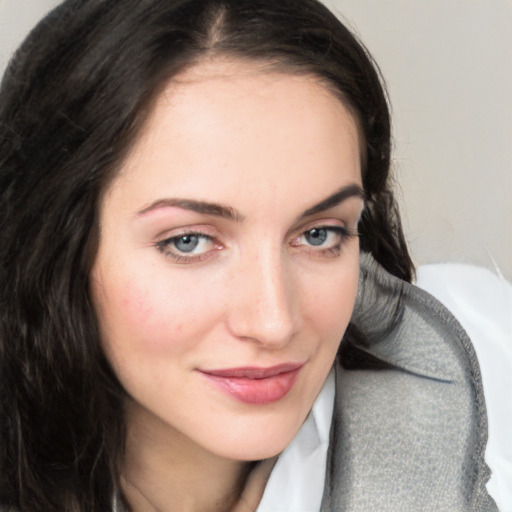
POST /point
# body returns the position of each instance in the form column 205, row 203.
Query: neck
column 164, row 470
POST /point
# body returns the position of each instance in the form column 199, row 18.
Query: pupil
column 316, row 236
column 186, row 243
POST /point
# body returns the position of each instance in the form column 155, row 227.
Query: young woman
column 204, row 281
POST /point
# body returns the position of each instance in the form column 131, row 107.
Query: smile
column 255, row 385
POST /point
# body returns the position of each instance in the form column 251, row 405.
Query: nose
column 264, row 305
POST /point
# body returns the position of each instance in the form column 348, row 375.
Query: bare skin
column 228, row 241
column 225, row 485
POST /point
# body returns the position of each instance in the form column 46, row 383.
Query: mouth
column 255, row 385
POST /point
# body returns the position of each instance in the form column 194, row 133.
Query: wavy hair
column 72, row 102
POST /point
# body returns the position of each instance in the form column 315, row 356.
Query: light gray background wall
column 448, row 66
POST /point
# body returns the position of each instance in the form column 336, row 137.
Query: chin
column 262, row 440
column 254, row 453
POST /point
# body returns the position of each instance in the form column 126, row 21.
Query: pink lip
column 254, row 385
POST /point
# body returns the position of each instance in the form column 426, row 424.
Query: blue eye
column 323, row 240
column 186, row 243
column 316, row 236
column 187, row 247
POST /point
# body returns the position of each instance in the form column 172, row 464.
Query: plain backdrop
column 448, row 67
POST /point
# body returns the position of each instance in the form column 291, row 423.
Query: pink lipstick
column 254, row 385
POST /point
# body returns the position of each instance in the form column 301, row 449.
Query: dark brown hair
column 71, row 104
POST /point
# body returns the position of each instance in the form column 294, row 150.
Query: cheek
column 331, row 304
column 148, row 313
column 143, row 311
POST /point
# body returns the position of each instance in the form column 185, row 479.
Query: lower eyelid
column 166, row 248
column 332, row 251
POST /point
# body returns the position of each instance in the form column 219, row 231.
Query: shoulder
column 482, row 302
column 409, row 428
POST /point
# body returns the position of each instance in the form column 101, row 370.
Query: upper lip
column 254, row 372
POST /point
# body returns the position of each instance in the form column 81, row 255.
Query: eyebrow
column 214, row 209
column 335, row 199
column 229, row 213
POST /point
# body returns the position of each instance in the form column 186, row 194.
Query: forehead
column 236, row 124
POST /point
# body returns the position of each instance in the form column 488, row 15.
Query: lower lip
column 256, row 391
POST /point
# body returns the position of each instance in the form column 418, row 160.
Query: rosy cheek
column 154, row 316
column 136, row 304
column 125, row 310
column 146, row 315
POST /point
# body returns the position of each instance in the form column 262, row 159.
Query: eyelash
column 163, row 247
column 343, row 234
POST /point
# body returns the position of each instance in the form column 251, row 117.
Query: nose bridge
column 264, row 306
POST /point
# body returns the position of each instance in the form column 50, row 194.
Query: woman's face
column 227, row 267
